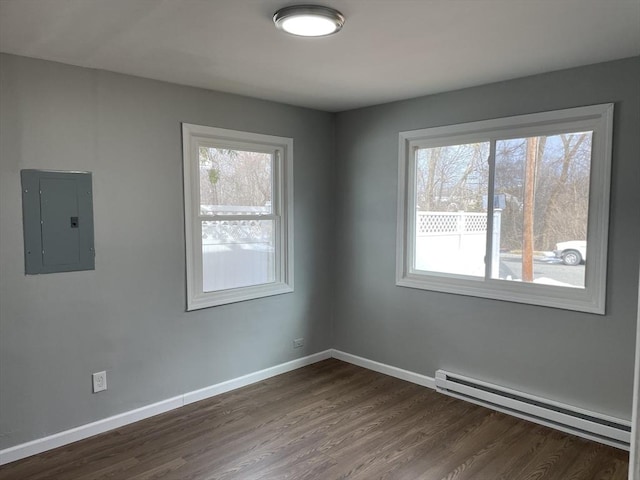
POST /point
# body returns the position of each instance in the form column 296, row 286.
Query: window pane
column 234, row 182
column 451, row 223
column 542, row 184
column 237, row 253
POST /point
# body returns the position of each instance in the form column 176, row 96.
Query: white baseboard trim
column 50, row 442
column 430, row 382
column 60, row 439
column 254, row 377
column 56, row 440
column 412, row 377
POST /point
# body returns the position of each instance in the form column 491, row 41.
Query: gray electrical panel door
column 57, row 210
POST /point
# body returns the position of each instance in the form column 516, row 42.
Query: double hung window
column 238, row 221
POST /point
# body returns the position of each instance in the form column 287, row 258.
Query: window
column 505, row 208
column 238, row 190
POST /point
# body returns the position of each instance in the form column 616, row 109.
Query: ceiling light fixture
column 308, row 20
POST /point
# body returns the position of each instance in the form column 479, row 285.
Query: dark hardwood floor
column 330, row 420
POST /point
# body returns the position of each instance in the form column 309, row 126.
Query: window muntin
column 238, row 189
column 462, row 201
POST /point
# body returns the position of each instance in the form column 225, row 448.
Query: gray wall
column 128, row 316
column 581, row 359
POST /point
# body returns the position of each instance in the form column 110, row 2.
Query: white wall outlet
column 298, row 342
column 99, row 381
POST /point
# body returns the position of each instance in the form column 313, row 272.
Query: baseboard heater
column 583, row 423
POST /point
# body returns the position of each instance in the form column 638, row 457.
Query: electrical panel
column 57, row 214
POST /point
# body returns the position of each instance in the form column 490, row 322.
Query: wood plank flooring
column 330, row 420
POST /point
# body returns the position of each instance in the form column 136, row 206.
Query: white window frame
column 194, row 136
column 596, row 118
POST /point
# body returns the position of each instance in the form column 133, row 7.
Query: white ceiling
column 387, row 50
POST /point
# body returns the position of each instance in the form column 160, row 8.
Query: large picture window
column 238, row 203
column 506, row 208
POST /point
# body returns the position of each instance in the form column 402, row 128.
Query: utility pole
column 529, row 199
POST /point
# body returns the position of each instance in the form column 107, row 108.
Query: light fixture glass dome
column 308, row 20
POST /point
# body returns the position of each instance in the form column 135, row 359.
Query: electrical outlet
column 99, row 381
column 298, row 342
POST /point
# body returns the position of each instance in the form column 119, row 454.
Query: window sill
column 223, row 297
column 577, row 299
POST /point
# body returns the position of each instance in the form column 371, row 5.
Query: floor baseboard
column 60, row 439
column 34, row 447
column 386, row 369
column 431, row 383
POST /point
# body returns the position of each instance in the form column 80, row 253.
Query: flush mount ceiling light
column 308, row 20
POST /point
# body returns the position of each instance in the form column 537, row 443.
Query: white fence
column 455, row 242
column 236, row 253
